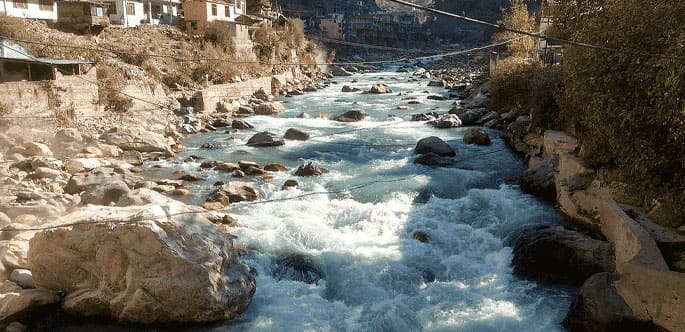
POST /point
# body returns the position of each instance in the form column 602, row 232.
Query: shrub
column 518, row 17
column 112, row 81
column 218, row 34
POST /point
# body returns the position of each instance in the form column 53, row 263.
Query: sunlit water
column 377, row 277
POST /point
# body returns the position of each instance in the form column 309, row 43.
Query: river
column 377, row 277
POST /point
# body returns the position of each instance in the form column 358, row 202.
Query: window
column 214, row 10
column 22, row 4
column 130, row 9
column 46, row 5
column 156, row 11
column 112, row 8
column 227, row 11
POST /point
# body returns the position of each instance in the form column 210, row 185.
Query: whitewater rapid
column 377, row 277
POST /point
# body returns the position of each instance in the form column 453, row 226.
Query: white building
column 131, row 13
column 33, row 9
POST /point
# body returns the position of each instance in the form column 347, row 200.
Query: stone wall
column 208, row 99
column 43, row 98
column 652, row 291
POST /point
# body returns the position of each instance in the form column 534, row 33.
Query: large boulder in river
column 447, row 121
column 339, row 71
column 264, row 139
column 153, row 264
column 310, row 169
column 538, row 180
column 435, row 145
column 234, row 192
column 139, row 140
column 599, row 307
column 296, row 135
column 555, row 254
column 298, row 267
column 476, row 136
column 269, row 108
column 347, row 88
column 351, row 116
column 380, row 89
column 432, row 159
column 241, row 124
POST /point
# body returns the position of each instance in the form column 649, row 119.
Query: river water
column 377, row 277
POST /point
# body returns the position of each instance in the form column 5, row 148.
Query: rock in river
column 310, row 169
column 351, row 116
column 265, row 139
column 435, row 145
column 159, row 263
column 476, row 136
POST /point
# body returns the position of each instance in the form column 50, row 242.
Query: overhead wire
column 503, row 27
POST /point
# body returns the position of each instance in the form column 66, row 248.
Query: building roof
column 10, row 50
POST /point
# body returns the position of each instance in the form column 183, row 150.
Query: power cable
column 244, row 204
column 503, row 27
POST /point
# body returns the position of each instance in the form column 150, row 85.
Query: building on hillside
column 82, row 15
column 199, row 13
column 549, row 52
column 333, row 26
column 131, row 13
column 32, row 9
column 17, row 64
column 258, row 7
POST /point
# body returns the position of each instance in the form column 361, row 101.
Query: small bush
column 5, row 109
column 218, row 34
column 112, row 81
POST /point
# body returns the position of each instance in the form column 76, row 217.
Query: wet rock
column 298, row 267
column 296, row 135
column 171, row 265
column 192, row 158
column 238, row 174
column 310, row 169
column 241, row 124
column 539, row 179
column 469, row 117
column 447, row 121
column 234, row 192
column 351, row 116
column 245, row 110
column 437, row 83
column 432, row 159
column 208, row 164
column 261, row 94
column 348, row 88
column 105, row 194
column 190, row 178
column 420, row 236
column 19, row 302
column 339, row 71
column 269, row 108
column 211, row 146
column 599, row 307
column 436, row 97
column 179, row 192
column 245, row 164
column 254, row 171
column 435, row 145
column 413, row 102
column 226, row 167
column 554, row 254
column 265, row 139
column 275, row 168
column 425, row 116
column 404, row 108
column 476, row 136
column 380, row 89
column 23, row 278
column 288, row 184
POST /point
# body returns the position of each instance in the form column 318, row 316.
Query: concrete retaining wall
column 207, row 99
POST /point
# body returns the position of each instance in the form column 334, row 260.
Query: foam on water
column 377, row 277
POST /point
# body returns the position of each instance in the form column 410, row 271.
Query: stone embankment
column 81, row 228
column 643, row 287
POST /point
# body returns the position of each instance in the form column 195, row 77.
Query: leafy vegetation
column 626, row 108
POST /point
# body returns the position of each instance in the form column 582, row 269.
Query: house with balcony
column 131, row 13
column 199, row 13
column 82, row 15
column 32, row 9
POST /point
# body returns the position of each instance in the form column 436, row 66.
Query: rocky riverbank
column 85, row 229
column 604, row 245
